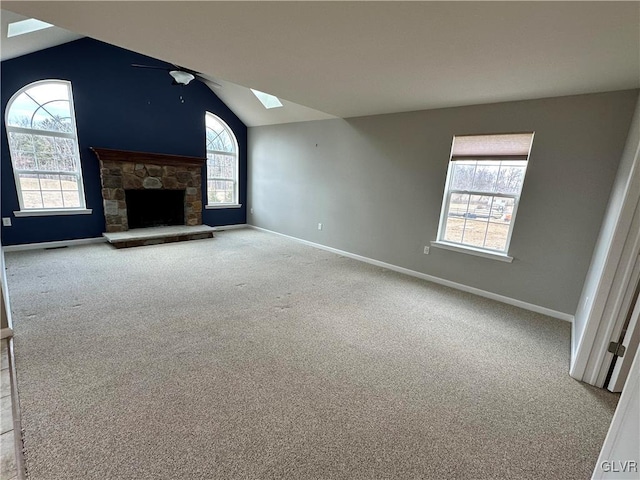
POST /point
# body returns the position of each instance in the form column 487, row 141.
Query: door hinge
column 617, row 349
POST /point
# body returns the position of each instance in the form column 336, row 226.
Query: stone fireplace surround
column 122, row 170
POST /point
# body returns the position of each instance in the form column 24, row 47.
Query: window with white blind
column 222, row 164
column 482, row 191
column 43, row 144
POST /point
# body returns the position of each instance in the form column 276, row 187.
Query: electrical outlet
column 319, row 226
column 251, row 210
column 426, row 250
column 6, row 221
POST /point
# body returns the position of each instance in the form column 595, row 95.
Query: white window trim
column 236, row 154
column 44, row 212
column 35, row 131
column 27, row 212
column 469, row 249
column 215, row 206
column 458, row 247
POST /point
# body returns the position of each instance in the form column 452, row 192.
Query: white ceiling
column 252, row 113
column 32, row 42
column 361, row 58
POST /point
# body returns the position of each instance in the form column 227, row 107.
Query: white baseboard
column 222, row 228
column 62, row 243
column 447, row 283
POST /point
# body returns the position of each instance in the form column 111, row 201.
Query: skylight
column 26, row 26
column 269, row 101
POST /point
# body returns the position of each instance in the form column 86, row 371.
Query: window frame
column 236, row 154
column 43, row 211
column 487, row 252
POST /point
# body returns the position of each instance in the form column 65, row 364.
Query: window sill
column 223, row 205
column 52, row 212
column 473, row 251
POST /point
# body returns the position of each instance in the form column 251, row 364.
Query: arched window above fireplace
column 43, row 142
column 222, row 164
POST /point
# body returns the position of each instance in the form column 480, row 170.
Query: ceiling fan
column 181, row 75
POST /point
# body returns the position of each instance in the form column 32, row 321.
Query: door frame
column 602, row 302
column 624, row 287
column 620, row 371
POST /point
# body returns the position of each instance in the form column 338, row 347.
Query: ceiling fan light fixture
column 181, row 77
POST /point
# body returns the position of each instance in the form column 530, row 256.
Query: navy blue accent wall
column 117, row 106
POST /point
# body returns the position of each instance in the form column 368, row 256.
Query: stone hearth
column 122, row 170
column 138, row 237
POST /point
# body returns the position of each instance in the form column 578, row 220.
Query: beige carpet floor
column 251, row 356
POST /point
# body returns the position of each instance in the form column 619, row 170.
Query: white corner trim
column 622, row 431
column 52, row 212
column 222, row 228
column 223, row 205
column 440, row 281
column 61, row 243
column 573, row 347
column 473, row 251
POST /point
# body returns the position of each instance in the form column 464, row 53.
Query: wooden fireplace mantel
column 111, row 155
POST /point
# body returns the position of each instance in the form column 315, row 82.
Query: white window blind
column 511, row 146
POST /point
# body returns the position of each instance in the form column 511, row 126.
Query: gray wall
column 376, row 184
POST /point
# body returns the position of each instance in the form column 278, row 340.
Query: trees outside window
column 43, row 143
column 222, row 163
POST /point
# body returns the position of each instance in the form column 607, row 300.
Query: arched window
column 43, row 143
column 222, row 163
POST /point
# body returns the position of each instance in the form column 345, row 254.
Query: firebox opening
column 154, row 208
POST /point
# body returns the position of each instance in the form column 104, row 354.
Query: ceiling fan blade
column 149, row 66
column 208, row 81
column 188, row 70
column 199, row 76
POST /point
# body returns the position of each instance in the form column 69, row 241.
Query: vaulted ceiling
column 12, row 47
column 362, row 58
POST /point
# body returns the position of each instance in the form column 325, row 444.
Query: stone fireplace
column 126, row 175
